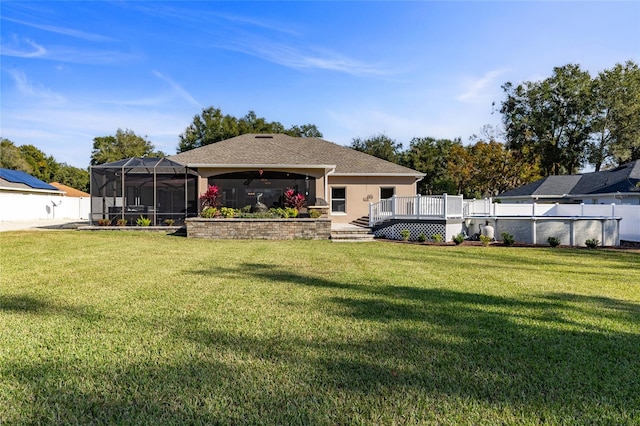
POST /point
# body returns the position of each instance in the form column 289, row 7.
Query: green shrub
column 422, row 238
column 553, row 241
column 227, row 212
column 209, row 212
column 437, row 238
column 592, row 243
column 314, row 214
column 121, row 222
column 508, row 239
column 485, row 240
column 246, row 209
column 143, row 221
column 169, row 222
column 279, row 212
column 405, row 234
column 458, row 239
column 291, row 211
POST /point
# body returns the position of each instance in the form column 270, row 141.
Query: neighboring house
column 70, row 192
column 620, row 185
column 254, row 167
column 24, row 197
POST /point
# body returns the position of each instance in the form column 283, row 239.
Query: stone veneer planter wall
column 261, row 229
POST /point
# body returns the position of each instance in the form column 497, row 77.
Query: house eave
column 416, row 175
column 262, row 166
column 34, row 190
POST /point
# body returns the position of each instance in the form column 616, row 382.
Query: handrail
column 416, row 207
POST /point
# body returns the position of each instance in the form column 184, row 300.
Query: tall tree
column 430, row 156
column 486, row 169
column 124, row 144
column 11, row 157
column 616, row 124
column 209, row 127
column 380, row 145
column 304, row 131
column 213, row 126
column 551, row 119
column 72, row 176
column 42, row 166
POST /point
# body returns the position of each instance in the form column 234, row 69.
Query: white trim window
column 338, row 199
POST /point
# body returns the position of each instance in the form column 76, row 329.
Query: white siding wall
column 18, row 206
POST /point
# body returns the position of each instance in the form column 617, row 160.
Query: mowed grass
column 137, row 328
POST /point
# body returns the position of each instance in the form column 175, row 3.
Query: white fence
column 630, row 214
column 417, row 207
column 19, row 206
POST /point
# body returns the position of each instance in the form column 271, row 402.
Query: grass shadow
column 31, row 305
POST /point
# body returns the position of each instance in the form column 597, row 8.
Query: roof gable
column 281, row 150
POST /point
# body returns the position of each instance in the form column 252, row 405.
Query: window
column 387, row 192
column 339, row 200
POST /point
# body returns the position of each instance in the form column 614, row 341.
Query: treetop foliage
column 124, row 144
column 29, row 159
column 570, row 119
column 213, row 126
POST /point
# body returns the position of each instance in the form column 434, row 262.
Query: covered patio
column 154, row 188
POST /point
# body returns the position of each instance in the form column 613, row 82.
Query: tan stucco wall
column 363, row 190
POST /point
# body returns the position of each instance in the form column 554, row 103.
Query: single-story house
column 620, row 185
column 24, row 197
column 69, row 191
column 262, row 167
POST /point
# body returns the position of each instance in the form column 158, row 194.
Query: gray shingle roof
column 622, row 179
column 280, row 149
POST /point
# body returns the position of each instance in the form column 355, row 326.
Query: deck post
column 393, row 206
column 444, row 204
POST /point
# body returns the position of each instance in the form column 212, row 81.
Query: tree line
column 483, row 168
column 29, row 159
column 570, row 119
column 554, row 126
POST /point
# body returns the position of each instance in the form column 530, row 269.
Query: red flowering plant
column 209, row 199
column 293, row 199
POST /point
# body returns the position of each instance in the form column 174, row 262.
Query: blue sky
column 75, row 70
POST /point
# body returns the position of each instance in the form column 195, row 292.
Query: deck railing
column 417, row 207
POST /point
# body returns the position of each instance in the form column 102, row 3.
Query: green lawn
column 137, row 328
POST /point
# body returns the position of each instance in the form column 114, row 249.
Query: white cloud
column 29, row 89
column 293, row 57
column 18, row 49
column 61, row 30
column 178, row 89
column 27, row 48
column 482, row 88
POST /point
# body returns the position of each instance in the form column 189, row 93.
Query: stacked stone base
column 260, row 229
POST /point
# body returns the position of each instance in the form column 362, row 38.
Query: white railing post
column 581, row 209
column 613, row 209
column 417, row 207
column 444, row 204
column 393, row 206
column 370, row 215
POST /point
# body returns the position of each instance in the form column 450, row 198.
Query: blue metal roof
column 16, row 176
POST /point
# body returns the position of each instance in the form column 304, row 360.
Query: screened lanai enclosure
column 154, row 188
